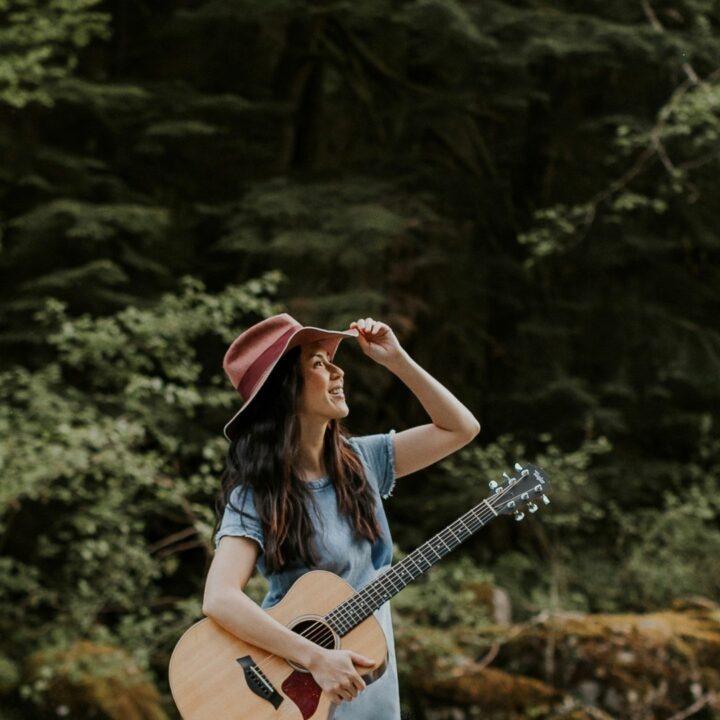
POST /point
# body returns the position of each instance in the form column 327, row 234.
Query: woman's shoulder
column 377, row 451
column 240, row 516
column 365, row 443
column 242, row 497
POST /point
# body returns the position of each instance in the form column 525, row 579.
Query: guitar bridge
column 258, row 683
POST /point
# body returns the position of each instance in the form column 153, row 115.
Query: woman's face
column 321, row 379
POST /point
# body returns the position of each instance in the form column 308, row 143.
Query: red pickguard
column 302, row 689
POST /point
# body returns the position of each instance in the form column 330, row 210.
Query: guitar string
column 481, row 520
column 292, row 708
column 346, row 614
column 316, row 629
column 393, row 572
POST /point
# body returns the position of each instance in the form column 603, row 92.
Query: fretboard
column 390, row 582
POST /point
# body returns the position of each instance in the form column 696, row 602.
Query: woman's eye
column 318, row 362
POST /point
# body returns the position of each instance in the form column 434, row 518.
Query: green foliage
column 344, row 231
column 104, row 476
column 446, row 596
column 670, row 551
column 40, row 44
column 541, row 574
column 646, row 556
column 525, row 192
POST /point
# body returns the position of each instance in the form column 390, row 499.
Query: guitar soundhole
column 317, row 630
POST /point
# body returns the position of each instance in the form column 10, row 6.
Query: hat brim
column 299, row 337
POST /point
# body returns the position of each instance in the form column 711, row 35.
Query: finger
column 363, row 342
column 363, row 659
column 339, row 695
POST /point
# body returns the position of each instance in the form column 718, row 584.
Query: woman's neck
column 312, row 441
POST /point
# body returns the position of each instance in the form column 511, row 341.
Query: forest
column 526, row 191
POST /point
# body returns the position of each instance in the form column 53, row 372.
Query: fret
column 391, row 581
column 335, row 623
column 435, row 551
column 410, row 558
column 403, row 574
column 387, row 576
column 464, row 524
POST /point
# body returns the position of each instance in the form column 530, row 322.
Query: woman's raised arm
column 453, row 425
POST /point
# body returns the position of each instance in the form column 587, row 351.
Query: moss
column 639, row 663
column 567, row 667
column 92, row 680
column 491, row 689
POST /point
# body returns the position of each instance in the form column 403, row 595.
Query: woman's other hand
column 334, row 671
column 377, row 341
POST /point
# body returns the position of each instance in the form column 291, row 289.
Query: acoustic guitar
column 216, row 676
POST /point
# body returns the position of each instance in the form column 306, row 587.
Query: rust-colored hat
column 253, row 354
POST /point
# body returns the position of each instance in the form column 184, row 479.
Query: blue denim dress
column 357, row 561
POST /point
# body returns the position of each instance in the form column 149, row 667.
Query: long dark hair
column 264, row 454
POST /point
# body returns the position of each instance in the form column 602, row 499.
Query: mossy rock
column 437, row 670
column 635, row 663
column 565, row 667
column 490, row 689
column 93, row 681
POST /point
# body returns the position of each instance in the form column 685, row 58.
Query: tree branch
column 698, row 705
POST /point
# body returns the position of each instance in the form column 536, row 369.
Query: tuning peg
column 518, row 467
column 492, row 484
column 519, row 515
column 507, row 477
column 546, row 499
column 532, row 507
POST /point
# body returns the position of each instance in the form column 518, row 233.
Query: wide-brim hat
column 254, row 353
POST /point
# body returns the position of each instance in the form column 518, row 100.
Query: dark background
column 527, row 192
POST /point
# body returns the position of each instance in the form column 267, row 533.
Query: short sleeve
column 378, row 455
column 243, row 521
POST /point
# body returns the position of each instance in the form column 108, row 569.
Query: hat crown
column 251, row 345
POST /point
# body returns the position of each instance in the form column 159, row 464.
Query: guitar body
column 216, row 676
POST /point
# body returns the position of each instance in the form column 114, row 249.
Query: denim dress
column 357, row 561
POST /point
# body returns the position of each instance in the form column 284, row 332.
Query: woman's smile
column 324, row 384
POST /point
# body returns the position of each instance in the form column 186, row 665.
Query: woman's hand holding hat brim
column 377, row 340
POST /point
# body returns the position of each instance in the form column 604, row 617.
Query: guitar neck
column 390, row 582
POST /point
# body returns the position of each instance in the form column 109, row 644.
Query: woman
column 298, row 493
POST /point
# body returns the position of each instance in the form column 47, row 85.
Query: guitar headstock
column 520, row 491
